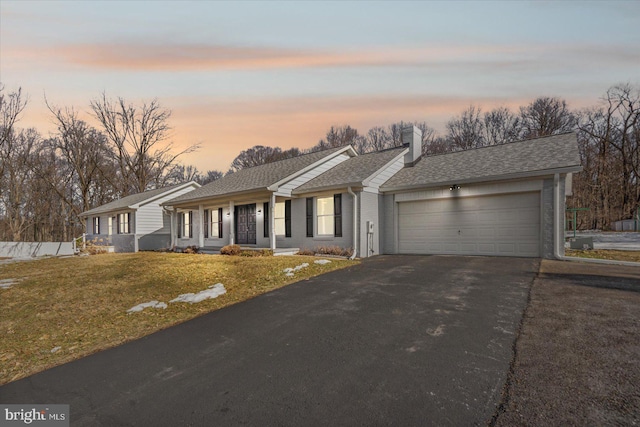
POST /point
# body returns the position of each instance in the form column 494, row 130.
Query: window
column 282, row 218
column 110, row 225
column 329, row 214
column 96, row 225
column 123, row 223
column 324, row 207
column 185, row 224
column 215, row 224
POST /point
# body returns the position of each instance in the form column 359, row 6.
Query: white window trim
column 325, row 215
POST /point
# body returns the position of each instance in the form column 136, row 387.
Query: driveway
column 403, row 340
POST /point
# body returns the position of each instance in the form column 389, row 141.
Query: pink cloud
column 137, row 56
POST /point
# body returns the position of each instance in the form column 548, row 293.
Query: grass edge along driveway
column 60, row 309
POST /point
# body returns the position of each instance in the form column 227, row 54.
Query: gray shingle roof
column 255, row 178
column 351, row 171
column 523, row 157
column 131, row 200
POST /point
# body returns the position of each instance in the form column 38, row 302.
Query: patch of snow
column 214, row 291
column 7, row 283
column 322, row 261
column 621, row 240
column 289, row 271
column 56, row 349
column 150, row 304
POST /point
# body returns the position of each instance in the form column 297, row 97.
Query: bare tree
column 85, row 152
column 138, row 136
column 17, row 151
column 546, row 116
column 467, row 130
column 500, row 126
column 339, row 137
column 377, row 139
column 11, row 106
column 260, row 155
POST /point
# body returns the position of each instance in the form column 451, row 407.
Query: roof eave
column 367, row 180
column 518, row 175
column 346, row 148
column 163, row 194
column 220, row 196
column 356, row 184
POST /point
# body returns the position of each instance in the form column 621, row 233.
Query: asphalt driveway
column 402, row 340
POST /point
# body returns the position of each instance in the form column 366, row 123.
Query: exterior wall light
column 454, row 187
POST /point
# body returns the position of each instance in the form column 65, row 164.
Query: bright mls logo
column 36, row 415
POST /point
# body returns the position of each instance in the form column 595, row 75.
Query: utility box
column 581, row 243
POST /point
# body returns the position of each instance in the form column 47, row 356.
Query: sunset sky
column 238, row 74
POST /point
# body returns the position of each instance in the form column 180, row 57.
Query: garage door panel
column 494, row 225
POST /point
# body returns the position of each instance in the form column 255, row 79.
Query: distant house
column 504, row 200
column 135, row 222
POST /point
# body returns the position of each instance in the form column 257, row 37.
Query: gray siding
column 299, row 237
column 369, row 210
column 388, row 225
column 387, row 172
column 154, row 242
column 547, row 218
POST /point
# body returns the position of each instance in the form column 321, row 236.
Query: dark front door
column 246, row 224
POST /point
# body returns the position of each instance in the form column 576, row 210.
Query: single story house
column 503, row 200
column 135, row 222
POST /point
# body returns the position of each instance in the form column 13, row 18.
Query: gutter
column 355, row 222
column 477, row 180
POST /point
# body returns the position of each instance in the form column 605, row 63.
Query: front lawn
column 56, row 310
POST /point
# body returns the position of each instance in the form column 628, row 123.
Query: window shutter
column 309, row 216
column 287, row 218
column 220, row 223
column 205, row 223
column 128, row 230
column 180, row 221
column 190, row 224
column 337, row 212
column 265, row 209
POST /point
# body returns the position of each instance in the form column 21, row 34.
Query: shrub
column 305, row 251
column 334, row 250
column 95, row 246
column 260, row 253
column 230, row 250
column 191, row 250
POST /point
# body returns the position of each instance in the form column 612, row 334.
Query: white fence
column 35, row 249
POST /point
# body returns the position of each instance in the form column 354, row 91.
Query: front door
column 246, row 224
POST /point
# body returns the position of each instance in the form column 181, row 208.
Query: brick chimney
column 413, row 136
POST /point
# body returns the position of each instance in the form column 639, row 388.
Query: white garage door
column 505, row 225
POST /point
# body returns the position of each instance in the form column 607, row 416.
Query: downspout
column 355, row 223
column 558, row 238
column 556, row 217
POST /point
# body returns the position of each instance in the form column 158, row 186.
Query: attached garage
column 497, row 225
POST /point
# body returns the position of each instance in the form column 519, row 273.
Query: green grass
column 80, row 304
column 605, row 254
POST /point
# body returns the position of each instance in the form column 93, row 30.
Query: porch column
column 232, row 228
column 202, row 224
column 272, row 222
